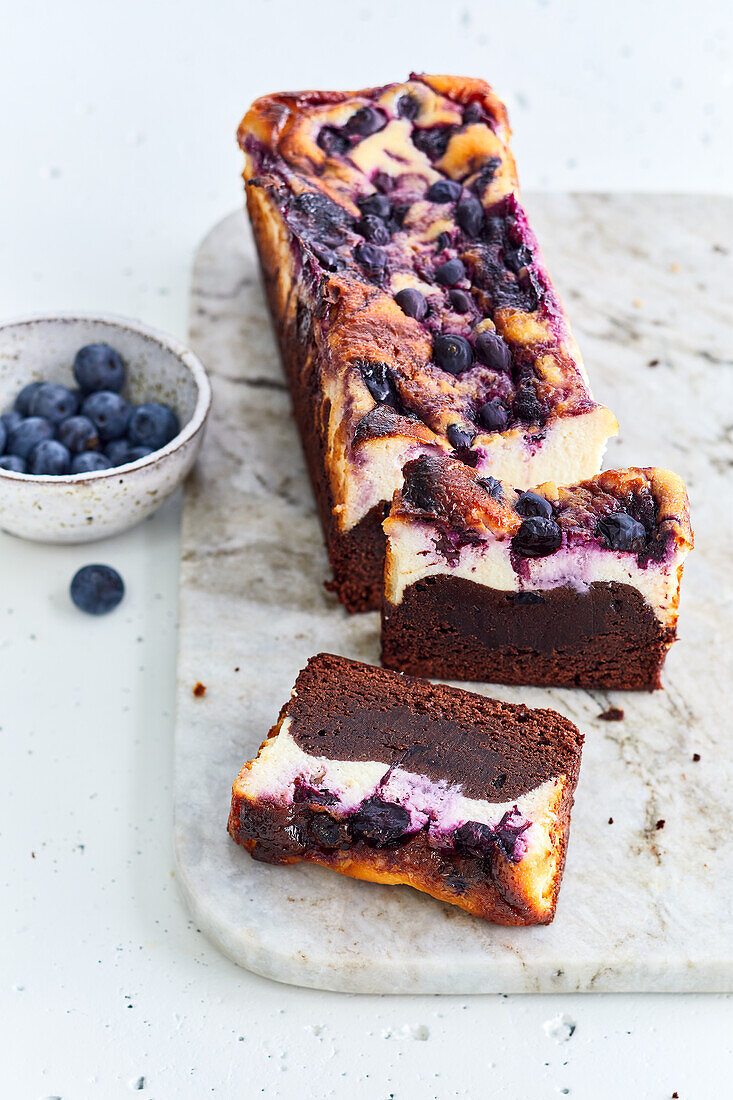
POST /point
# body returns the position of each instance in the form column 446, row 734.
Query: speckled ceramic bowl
column 91, row 506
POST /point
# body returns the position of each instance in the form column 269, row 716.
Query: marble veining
column 647, row 900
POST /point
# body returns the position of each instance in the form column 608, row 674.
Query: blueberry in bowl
column 101, row 420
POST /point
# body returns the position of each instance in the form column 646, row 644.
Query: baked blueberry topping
column 493, row 351
column 371, row 257
column 442, row 241
column 327, row 832
column 461, row 301
column 333, row 142
column 470, row 214
column 89, row 462
column 23, row 400
column 373, row 229
column 473, row 113
column 474, row 839
column 54, row 402
column 537, row 537
column 458, row 437
column 14, row 463
column 493, row 415
column 450, row 273
column 27, row 435
column 452, row 353
column 99, row 367
column 377, row 205
column 326, row 257
column 531, row 504
column 412, row 302
column 486, row 175
column 378, row 380
column 433, row 143
column 408, row 106
column 304, row 792
column 367, row 120
column 492, row 486
column 517, row 258
column 78, row 434
column 380, row 823
column 444, row 191
column 620, row 531
column 97, row 589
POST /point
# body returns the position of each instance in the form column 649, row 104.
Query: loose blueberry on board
column 373, row 229
column 444, row 191
column 621, row 532
column 53, row 402
column 461, row 301
column 412, row 302
column 537, row 537
column 408, row 106
column 371, row 257
column 78, row 434
column 367, row 120
column 152, row 425
column 450, row 273
column 459, row 437
column 29, row 432
column 493, row 352
column 10, row 421
column 378, row 206
column 531, row 504
column 99, row 367
column 452, row 353
column 380, row 823
column 97, row 589
column 14, row 463
column 492, row 486
column 89, row 462
column 23, row 400
column 49, row 457
column 470, row 214
column 493, row 415
column 109, row 413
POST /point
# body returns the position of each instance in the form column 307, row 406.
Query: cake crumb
column 660, row 824
column 675, row 1096
column 613, row 714
column 610, row 821
column 199, row 689
column 674, row 268
column 638, row 303
column 696, row 756
column 653, row 363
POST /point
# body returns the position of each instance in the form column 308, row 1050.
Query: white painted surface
column 118, row 155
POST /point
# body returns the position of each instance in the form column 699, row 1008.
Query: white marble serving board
column 647, row 283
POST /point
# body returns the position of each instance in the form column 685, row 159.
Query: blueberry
column 378, row 381
column 89, row 462
column 374, row 229
column 494, row 415
column 29, row 432
column 371, row 257
column 508, row 835
column 493, row 352
column 458, row 437
column 49, row 457
column 367, row 120
column 444, row 191
column 332, row 141
column 461, row 301
column 118, row 452
column 517, row 258
column 326, row 257
column 10, row 421
column 109, row 413
column 152, row 425
column 327, row 832
column 23, row 400
column 470, row 214
column 53, row 402
column 78, row 434
column 452, row 353
column 620, row 531
column 412, row 302
column 15, row 463
column 442, row 241
column 492, row 486
column 474, row 839
column 473, row 113
column 377, row 205
column 537, row 537
column 531, row 504
column 136, row 453
column 97, row 589
column 380, row 823
column 450, row 273
column 3, row 436
column 99, row 367
column 408, row 106
column 433, row 143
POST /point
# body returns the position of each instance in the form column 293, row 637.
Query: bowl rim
column 164, row 339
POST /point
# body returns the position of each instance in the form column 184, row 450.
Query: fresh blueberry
column 450, row 273
column 54, row 402
column 78, row 434
column 452, row 353
column 29, row 432
column 458, row 437
column 433, row 143
column 493, row 351
column 531, row 504
column 537, row 537
column 470, row 214
column 89, row 462
column 408, row 106
column 109, row 413
column 492, row 486
column 136, row 453
column 373, row 229
column 367, row 120
column 97, row 589
column 412, row 302
column 378, row 206
column 493, row 415
column 118, row 452
column 15, row 463
column 380, row 823
column 621, row 532
column 152, row 425
column 10, row 421
column 444, row 191
column 332, row 141
column 49, row 457
column 23, row 400
column 371, row 257
column 99, row 367
column 461, row 301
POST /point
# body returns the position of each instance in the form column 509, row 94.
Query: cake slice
column 574, row 586
column 399, row 781
column 411, row 302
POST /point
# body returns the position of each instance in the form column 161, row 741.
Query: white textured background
column 117, row 154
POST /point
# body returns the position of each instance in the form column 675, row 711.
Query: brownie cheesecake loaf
column 574, row 586
column 411, row 303
column 399, row 781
